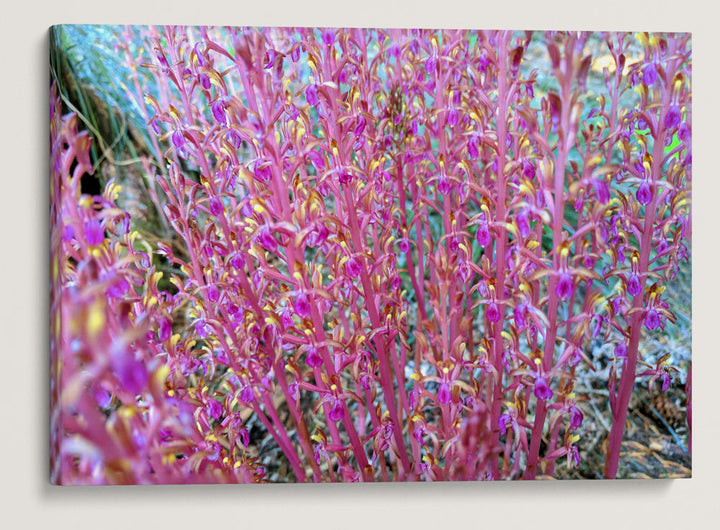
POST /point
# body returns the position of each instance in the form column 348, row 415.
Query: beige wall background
column 26, row 499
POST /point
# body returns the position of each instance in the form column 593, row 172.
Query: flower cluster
column 392, row 250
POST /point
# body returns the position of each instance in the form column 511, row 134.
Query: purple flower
column 665, row 382
column 328, row 37
column 201, row 328
column 353, row 268
column 317, row 237
column 214, row 409
column 244, row 437
column 237, row 261
column 621, row 350
column 443, row 186
column 684, row 132
column 528, row 170
column 453, row 117
column 673, row 117
column 130, row 372
column 503, row 422
column 246, row 394
column 523, row 222
column 178, row 138
column 493, row 312
column 68, row 233
column 205, row 81
column 575, row 454
column 564, row 288
column 431, row 64
column 650, row 74
column 576, row 418
column 219, row 111
column 483, row 235
column 233, row 137
column 103, row 398
column 344, row 177
column 266, row 239
column 165, row 330
column 473, row 147
column 652, row 319
column 302, row 305
column 360, row 126
column 404, row 245
column 118, row 287
column 311, row 95
column 602, row 191
column 313, row 360
column 213, row 293
column 443, row 394
column 270, row 57
column 216, row 207
column 643, row 194
column 337, row 411
column 94, row 233
column 542, row 390
column 519, row 316
column 633, row 285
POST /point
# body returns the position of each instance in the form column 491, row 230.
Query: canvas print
column 369, row 255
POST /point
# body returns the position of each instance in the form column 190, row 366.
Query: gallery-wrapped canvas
column 342, row 255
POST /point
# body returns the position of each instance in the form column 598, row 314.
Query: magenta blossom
column 94, row 233
column 312, row 359
column 353, row 268
column 564, row 288
column 652, row 319
column 443, row 394
column 542, row 390
column 302, row 305
column 644, row 194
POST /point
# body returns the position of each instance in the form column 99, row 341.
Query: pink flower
column 353, row 268
column 178, row 139
column 328, row 37
column 542, row 390
column 336, row 412
column 94, row 233
column 302, row 305
column 213, row 293
column 216, row 207
column 312, row 359
column 165, row 330
column 564, row 288
column 219, row 111
column 652, row 319
column 130, row 372
column 214, row 409
column 443, row 186
column 311, row 95
column 644, row 194
column 493, row 312
column 483, row 235
column 267, row 240
column 673, row 117
column 247, row 395
column 431, row 64
column 621, row 350
column 633, row 285
column 602, row 191
column 576, row 418
column 443, row 394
